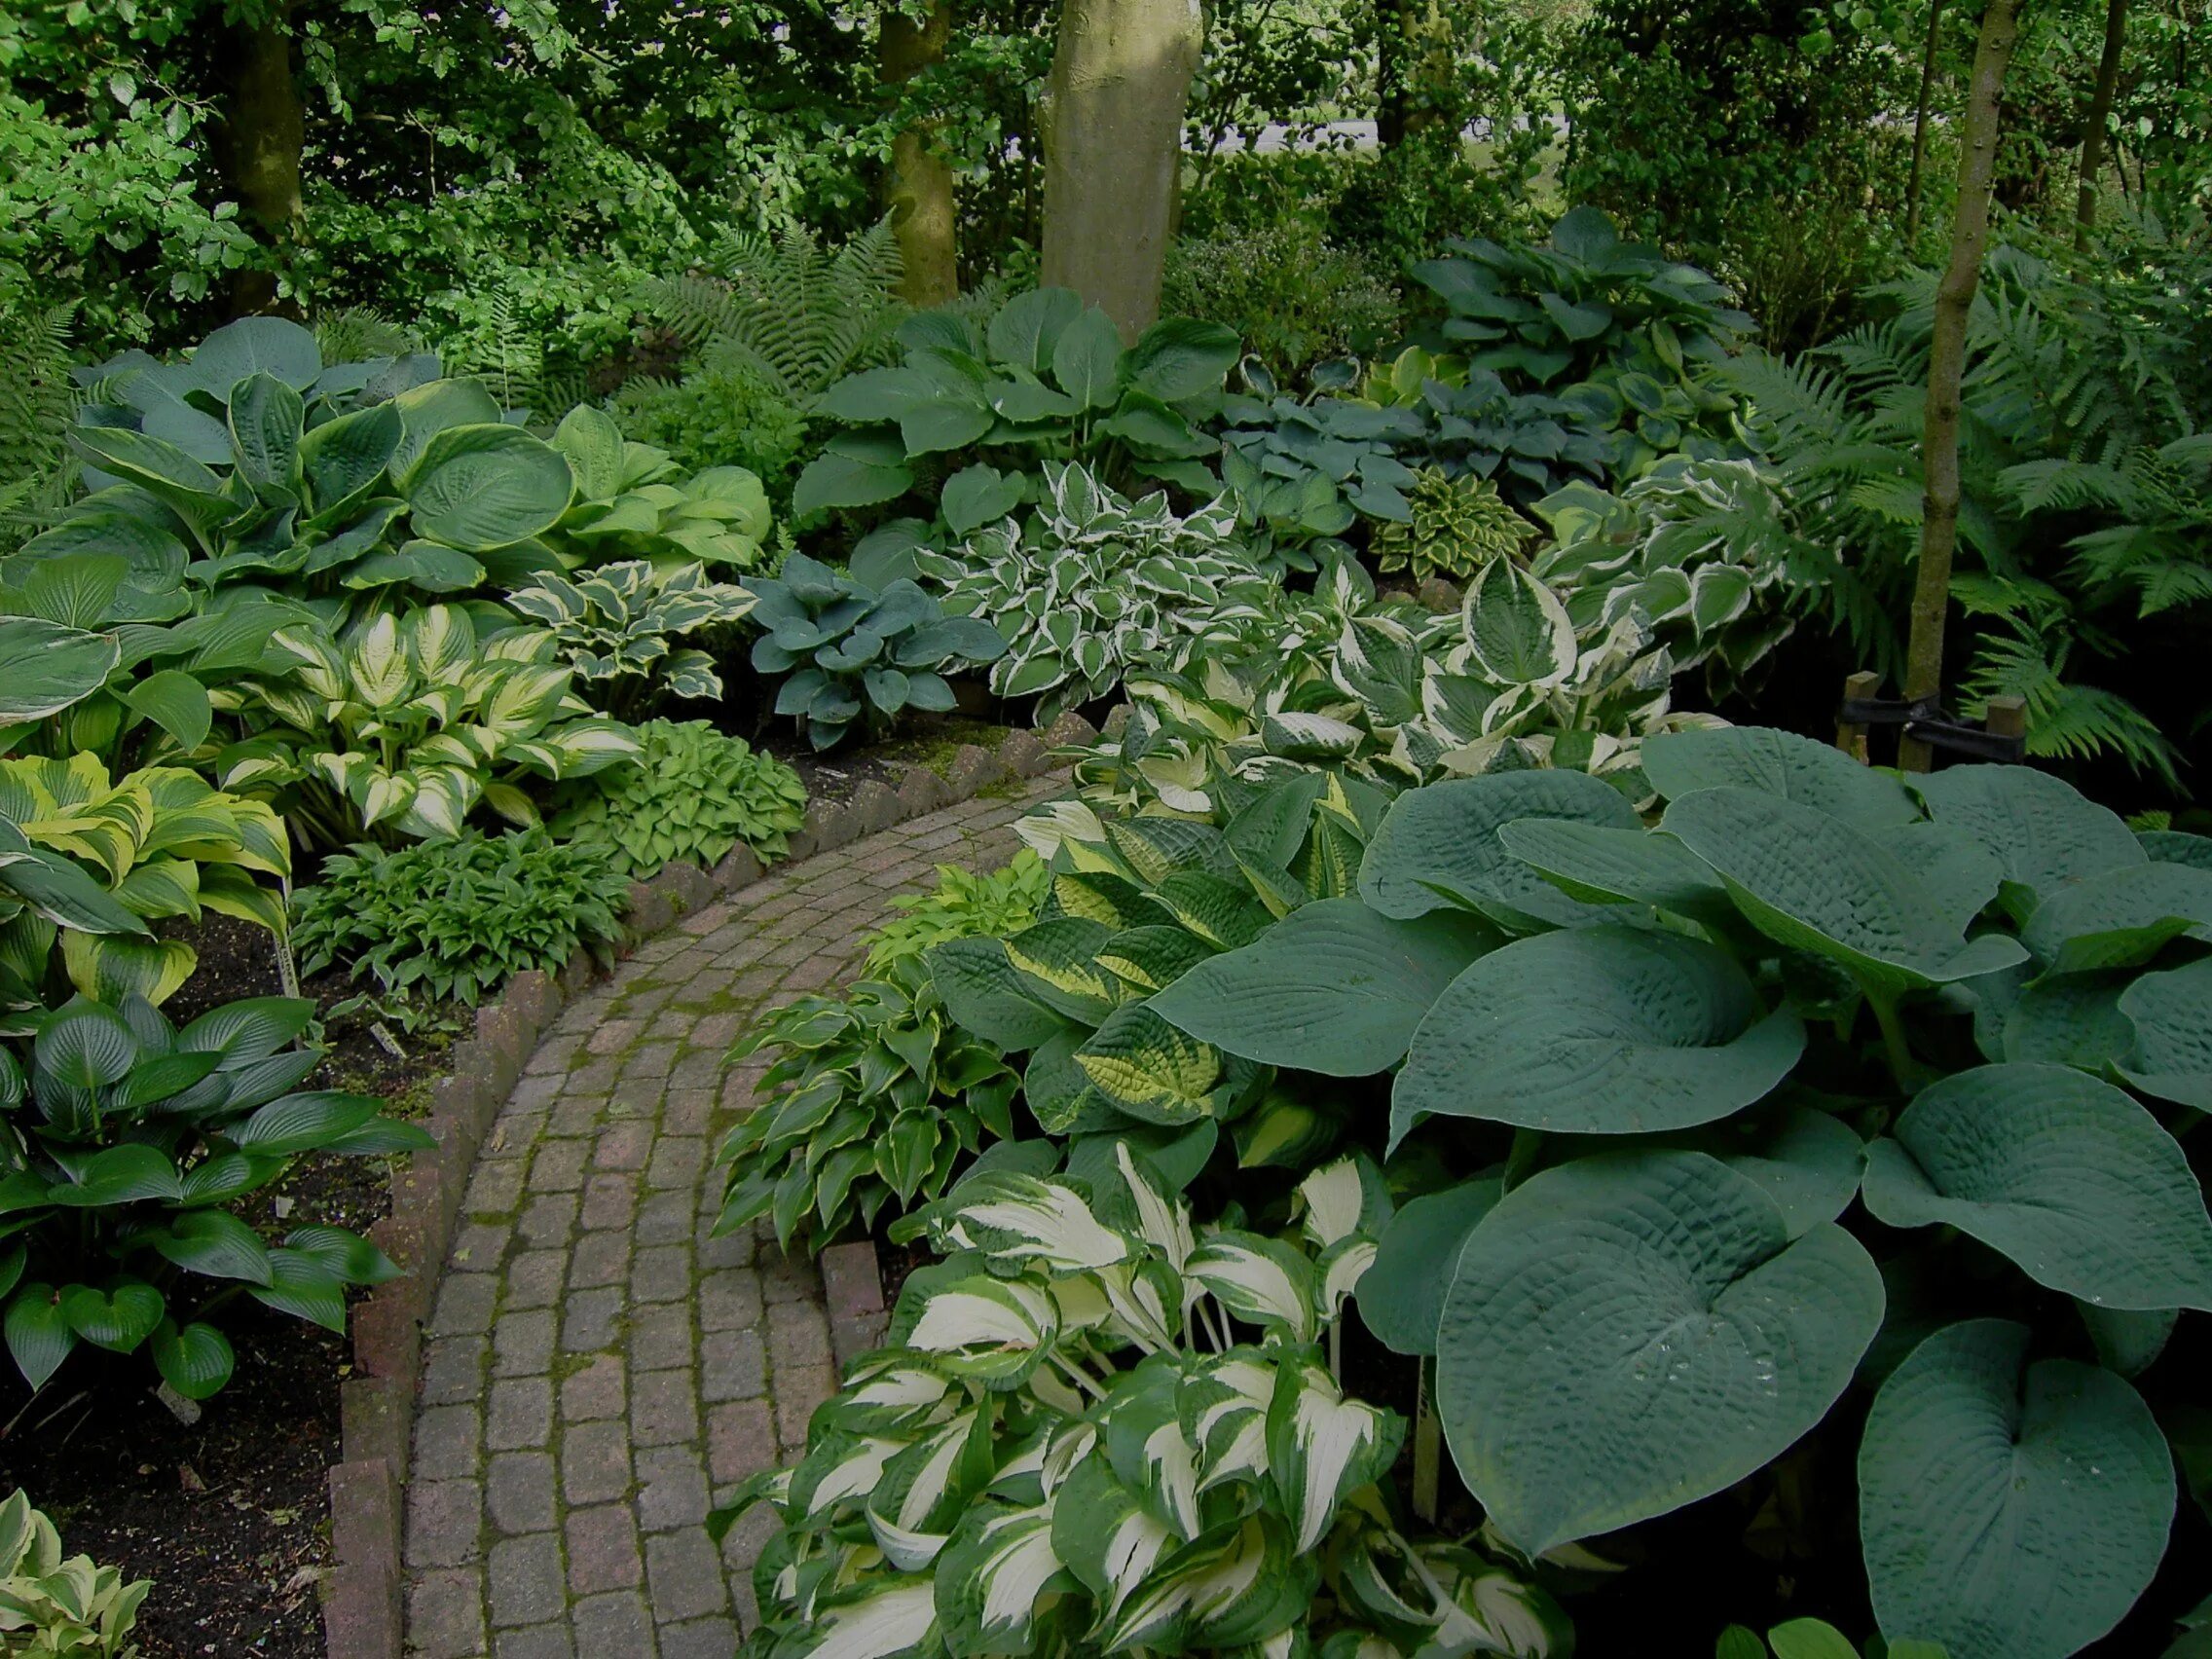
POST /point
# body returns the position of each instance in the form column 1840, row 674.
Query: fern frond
column 354, row 333
column 2065, row 721
column 38, row 403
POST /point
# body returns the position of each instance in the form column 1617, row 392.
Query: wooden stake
column 1428, row 1447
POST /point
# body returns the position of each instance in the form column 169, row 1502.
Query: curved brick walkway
column 598, row 1370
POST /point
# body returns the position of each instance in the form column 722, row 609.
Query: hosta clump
column 1824, row 1082
column 852, row 653
column 1095, row 585
column 1459, row 526
column 693, row 795
column 1100, row 1429
column 51, row 1605
column 873, row 1098
column 1300, row 473
column 612, row 626
column 453, row 921
column 962, row 906
column 633, row 501
column 125, row 1140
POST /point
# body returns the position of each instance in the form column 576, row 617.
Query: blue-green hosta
column 1975, row 1008
column 127, row 1142
column 1100, row 1429
column 1095, row 585
column 402, row 726
column 612, row 626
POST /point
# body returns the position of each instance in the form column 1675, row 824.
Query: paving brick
column 465, row 1303
column 741, row 1440
column 534, row 1278
column 526, row 1579
column 518, row 1493
column 664, row 1408
column 665, row 1218
column 445, row 1614
column 602, row 1550
column 699, row 1639
column 520, row 1414
column 538, row 1641
column 733, row 1366
column 730, row 1300
column 661, row 1272
column 558, row 1165
column 599, row 1390
column 521, row 1344
column 685, row 1575
column 672, row 1487
column 676, row 1161
column 688, row 1111
column 444, row 1520
column 624, row 1145
column 612, row 1035
column 494, row 1188
column 449, row 1439
column 591, row 1320
column 660, row 1338
column 599, row 1259
column 799, row 1388
column 480, row 1248
column 453, row 1369
column 547, row 1219
column 595, row 1461
column 613, row 1626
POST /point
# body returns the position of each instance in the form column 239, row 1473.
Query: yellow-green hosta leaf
column 1145, row 1067
column 377, row 665
column 440, row 802
column 111, row 968
column 1059, row 957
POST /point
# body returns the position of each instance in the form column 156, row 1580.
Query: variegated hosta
column 402, row 726
column 1100, row 1430
column 154, row 844
column 1096, row 585
column 612, row 626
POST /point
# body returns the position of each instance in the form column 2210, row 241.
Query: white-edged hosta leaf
column 1261, row 1280
column 1322, row 1447
column 1518, row 632
column 1340, row 1198
column 1245, row 1587
column 1150, row 1449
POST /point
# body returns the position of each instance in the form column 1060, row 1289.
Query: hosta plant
column 1041, row 378
column 400, row 727
column 1095, row 585
column 1101, row 1429
column 1300, row 474
column 1456, row 527
column 125, row 1141
column 53, row 1607
column 693, row 793
column 873, row 1099
column 1824, row 1084
column 453, row 921
column 613, row 627
column 850, row 653
column 633, row 501
column 962, row 906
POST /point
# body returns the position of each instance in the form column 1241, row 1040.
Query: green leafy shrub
column 51, row 1606
column 872, row 1101
column 849, row 653
column 453, row 921
column 694, row 793
column 1095, row 585
column 1459, row 526
column 633, row 502
column 1098, row 1428
column 1300, row 473
column 126, row 1139
column 1966, row 1005
column 962, row 906
column 720, row 414
column 611, row 627
column 1294, row 296
column 1044, row 377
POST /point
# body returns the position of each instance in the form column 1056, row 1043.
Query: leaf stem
column 1907, row 1071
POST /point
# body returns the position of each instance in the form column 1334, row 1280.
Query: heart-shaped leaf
column 2043, row 831
column 1401, row 1296
column 196, row 1361
column 2171, row 1017
column 38, row 1333
column 1778, row 764
column 215, row 1243
column 1439, row 846
column 118, row 1321
column 2122, row 918
column 1628, row 1334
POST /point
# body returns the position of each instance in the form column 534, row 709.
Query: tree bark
column 2100, row 114
column 1920, row 124
column 1946, row 369
column 921, row 185
column 264, row 129
column 1113, row 143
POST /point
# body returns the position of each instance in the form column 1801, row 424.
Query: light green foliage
column 1459, row 526
column 37, row 402
column 1672, row 1289
column 1095, row 585
column 51, row 1607
column 401, row 727
column 962, row 906
column 873, row 1099
column 717, row 415
column 131, row 1139
column 1294, row 296
column 851, row 653
column 612, row 625
column 455, row 920
column 1040, row 378
column 1300, row 472
column 693, row 793
column 632, row 503
column 1102, row 1429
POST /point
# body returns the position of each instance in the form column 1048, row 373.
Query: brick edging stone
column 362, row 1616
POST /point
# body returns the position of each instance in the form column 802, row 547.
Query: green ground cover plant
column 693, row 793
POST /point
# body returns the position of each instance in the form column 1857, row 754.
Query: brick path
column 597, row 1369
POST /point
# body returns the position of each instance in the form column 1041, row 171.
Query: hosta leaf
column 2121, row 918
column 484, row 487
column 1108, row 1540
column 1022, row 1221
column 2068, row 1176
column 987, row 994
column 1601, row 1030
column 118, row 1321
column 1631, row 1332
column 1321, row 1447
column 1816, row 775
column 1518, row 632
column 303, row 1286
column 1333, row 988
column 1247, row 1587
column 991, row 1329
column 1261, row 1280
column 303, row 1123
column 1805, row 1160
column 2042, row 830
column 2070, row 1020
column 215, row 1243
column 196, row 1360
column 118, row 1176
column 880, row 1618
column 38, row 1333
column 1599, row 865
column 1438, row 846
column 2171, row 1018
column 1000, row 1563
column 1148, row 1069
column 1087, row 359
column 1402, row 1296
column 2008, row 1510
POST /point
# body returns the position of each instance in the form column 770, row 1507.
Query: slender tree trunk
column 921, row 185
column 1113, row 143
column 2100, row 113
column 263, row 131
column 1393, row 71
column 1946, row 368
column 1920, row 124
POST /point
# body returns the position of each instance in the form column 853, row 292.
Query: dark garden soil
column 831, row 776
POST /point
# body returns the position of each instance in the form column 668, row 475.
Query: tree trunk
column 1393, row 72
column 1946, row 369
column 921, row 185
column 2100, row 113
column 1112, row 143
column 1920, row 125
column 263, row 130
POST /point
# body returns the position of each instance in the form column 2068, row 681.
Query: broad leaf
column 1401, row 1298
column 1816, row 775
column 1438, row 846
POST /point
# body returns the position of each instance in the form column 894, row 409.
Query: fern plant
column 797, row 314
column 37, row 401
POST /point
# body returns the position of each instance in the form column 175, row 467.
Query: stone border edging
column 361, row 1596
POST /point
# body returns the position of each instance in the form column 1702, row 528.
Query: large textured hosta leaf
column 1811, row 882
column 1601, row 1030
column 1438, row 846
column 2043, row 831
column 2171, row 1015
column 2122, row 918
column 1402, row 1295
column 2007, row 1510
column 1602, row 865
column 2068, row 1176
column 1776, row 763
column 45, row 667
column 477, row 488
column 1628, row 1334
column 1333, row 988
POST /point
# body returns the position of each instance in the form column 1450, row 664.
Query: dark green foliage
column 36, row 401
column 1294, row 296
column 694, row 793
column 721, row 414
column 1300, row 471
column 453, row 921
column 129, row 1142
